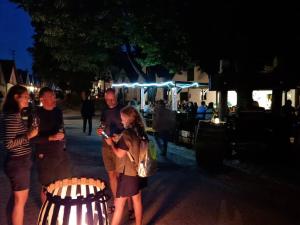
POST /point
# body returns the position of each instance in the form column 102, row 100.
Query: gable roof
column 22, row 76
column 2, row 80
column 7, row 67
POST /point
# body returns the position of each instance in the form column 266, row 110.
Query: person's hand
column 57, row 137
column 99, row 131
column 109, row 141
column 116, row 137
column 32, row 133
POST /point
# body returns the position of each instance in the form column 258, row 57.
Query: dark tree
column 88, row 37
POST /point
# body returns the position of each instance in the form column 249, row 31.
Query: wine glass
column 35, row 121
column 61, row 129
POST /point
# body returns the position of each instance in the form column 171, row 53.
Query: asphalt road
column 180, row 193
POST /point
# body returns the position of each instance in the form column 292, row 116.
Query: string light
column 163, row 84
column 194, row 84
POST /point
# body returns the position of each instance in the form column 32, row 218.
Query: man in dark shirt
column 52, row 160
column 111, row 120
column 164, row 124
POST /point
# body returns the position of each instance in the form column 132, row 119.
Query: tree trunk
column 244, row 98
column 222, row 104
column 276, row 101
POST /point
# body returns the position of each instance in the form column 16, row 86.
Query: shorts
column 18, row 170
column 109, row 158
column 53, row 167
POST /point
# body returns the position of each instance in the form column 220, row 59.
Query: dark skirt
column 129, row 185
column 18, row 171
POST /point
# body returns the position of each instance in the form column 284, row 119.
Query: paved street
column 180, row 193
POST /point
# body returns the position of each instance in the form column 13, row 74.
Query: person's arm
column 39, row 140
column 93, row 107
column 119, row 152
column 42, row 139
column 154, row 120
column 10, row 139
column 46, row 139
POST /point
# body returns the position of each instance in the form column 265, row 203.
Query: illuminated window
column 263, row 97
column 231, row 98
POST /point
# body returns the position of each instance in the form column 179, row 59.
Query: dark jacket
column 87, row 108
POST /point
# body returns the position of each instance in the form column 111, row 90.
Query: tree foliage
column 85, row 37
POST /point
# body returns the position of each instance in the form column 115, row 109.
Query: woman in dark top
column 16, row 142
column 129, row 185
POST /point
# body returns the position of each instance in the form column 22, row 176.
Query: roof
column 2, row 81
column 22, row 76
column 7, row 67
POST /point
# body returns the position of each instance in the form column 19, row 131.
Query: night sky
column 15, row 34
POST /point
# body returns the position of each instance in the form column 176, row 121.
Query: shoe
column 89, row 134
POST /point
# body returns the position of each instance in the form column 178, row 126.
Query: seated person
column 201, row 111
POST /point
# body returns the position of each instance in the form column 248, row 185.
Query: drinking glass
column 35, row 121
column 61, row 129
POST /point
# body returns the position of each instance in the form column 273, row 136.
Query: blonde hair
column 135, row 120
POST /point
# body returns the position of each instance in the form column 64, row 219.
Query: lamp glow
column 217, row 120
column 31, row 88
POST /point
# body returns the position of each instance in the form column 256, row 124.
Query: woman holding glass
column 16, row 138
column 129, row 184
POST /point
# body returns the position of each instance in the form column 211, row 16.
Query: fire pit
column 75, row 201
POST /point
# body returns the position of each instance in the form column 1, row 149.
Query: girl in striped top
column 16, row 142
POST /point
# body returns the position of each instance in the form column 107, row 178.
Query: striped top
column 13, row 134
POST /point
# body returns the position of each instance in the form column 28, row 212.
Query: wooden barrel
column 210, row 145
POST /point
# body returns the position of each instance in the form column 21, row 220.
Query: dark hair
column 10, row 104
column 44, row 90
column 288, row 102
column 110, row 90
column 161, row 103
column 210, row 105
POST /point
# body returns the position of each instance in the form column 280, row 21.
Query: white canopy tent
column 175, row 87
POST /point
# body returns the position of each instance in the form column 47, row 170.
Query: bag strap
column 130, row 156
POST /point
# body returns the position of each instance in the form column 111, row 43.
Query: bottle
column 102, row 127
